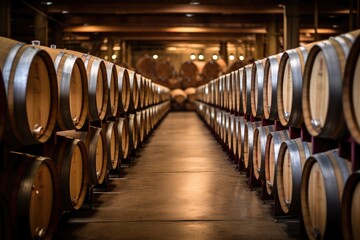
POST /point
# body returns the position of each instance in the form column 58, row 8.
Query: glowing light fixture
column 192, row 56
column 215, row 57
column 155, row 56
column 241, row 58
column 231, row 57
column 201, row 57
column 113, row 56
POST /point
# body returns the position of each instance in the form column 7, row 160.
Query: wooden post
column 41, row 29
column 5, row 18
column 291, row 25
column 272, row 48
column 223, row 51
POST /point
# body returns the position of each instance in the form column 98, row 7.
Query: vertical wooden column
column 291, row 25
column 128, row 54
column 272, row 47
column 5, row 18
column 41, row 29
column 223, row 51
column 259, row 49
column 123, row 52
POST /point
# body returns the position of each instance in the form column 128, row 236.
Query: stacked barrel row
column 68, row 120
column 292, row 122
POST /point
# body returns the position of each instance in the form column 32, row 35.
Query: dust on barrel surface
column 123, row 89
column 72, row 89
column 289, row 87
column 322, row 88
column 351, row 92
column 31, row 91
column 271, row 70
column 273, row 142
column 291, row 160
column 33, row 196
column 350, row 207
column 72, row 162
column 322, row 184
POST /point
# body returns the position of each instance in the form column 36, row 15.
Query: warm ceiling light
column 194, row 3
column 189, row 15
column 155, row 56
column 113, row 56
column 46, row 3
column 231, row 57
column 106, row 57
column 116, row 47
column 64, row 12
column 192, row 56
column 215, row 57
column 201, row 57
column 241, row 58
column 104, row 47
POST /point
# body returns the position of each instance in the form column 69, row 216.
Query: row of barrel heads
column 37, row 190
column 321, row 189
column 316, row 86
column 43, row 88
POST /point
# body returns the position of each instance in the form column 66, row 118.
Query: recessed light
column 194, row 3
column 64, row 12
column 189, row 15
column 46, row 3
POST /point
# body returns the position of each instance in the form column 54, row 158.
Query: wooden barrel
column 222, row 93
column 350, row 209
column 190, row 93
column 140, row 126
column 322, row 91
column 3, row 107
column 228, row 130
column 72, row 163
column 164, row 70
column 246, row 89
column 238, row 89
column 257, row 86
column 147, row 92
column 146, row 66
column 123, row 89
column 216, row 87
column 289, row 87
column 123, row 135
column 178, row 95
column 133, row 131
column 134, row 91
column 271, row 70
column 141, row 87
column 234, row 89
column 72, row 89
column 210, row 71
column 249, row 142
column 241, row 137
column 32, row 191
column 291, row 161
column 322, row 184
column 112, row 144
column 31, row 90
column 97, row 83
column 229, row 90
column 113, row 88
column 350, row 95
column 273, row 143
column 188, row 73
column 234, row 136
column 260, row 137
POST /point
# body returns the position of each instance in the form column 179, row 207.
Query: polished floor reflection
column 182, row 186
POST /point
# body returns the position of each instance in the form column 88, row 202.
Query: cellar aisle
column 181, row 186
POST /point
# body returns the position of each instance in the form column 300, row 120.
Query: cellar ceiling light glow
column 215, row 57
column 155, row 56
column 241, row 58
column 46, row 3
column 189, row 15
column 231, row 57
column 64, row 12
column 201, row 57
column 192, row 56
column 194, row 3
column 113, row 56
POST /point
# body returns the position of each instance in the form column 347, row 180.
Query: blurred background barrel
column 112, row 80
column 31, row 90
column 188, row 74
column 257, row 88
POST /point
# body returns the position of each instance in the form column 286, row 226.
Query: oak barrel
column 238, row 89
column 141, row 88
column 112, row 80
column 322, row 87
column 257, row 88
column 350, row 208
column 71, row 158
column 249, row 142
column 133, row 132
column 178, row 95
column 32, row 192
column 289, row 86
column 273, row 143
column 210, row 71
column 112, row 144
column 322, row 184
column 123, row 89
column 271, row 70
column 259, row 147
column 190, row 93
column 241, row 137
column 31, row 91
column 350, row 94
column 123, row 134
column 188, row 73
column 97, row 83
column 246, row 89
column 72, row 89
column 134, row 91
column 291, row 160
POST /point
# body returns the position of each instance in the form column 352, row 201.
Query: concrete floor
column 182, row 186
